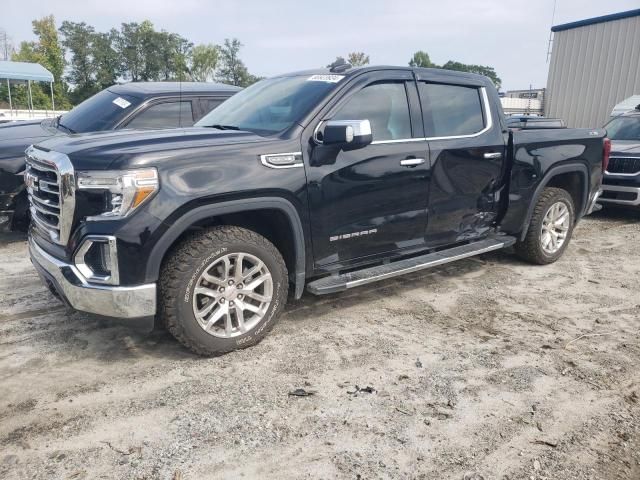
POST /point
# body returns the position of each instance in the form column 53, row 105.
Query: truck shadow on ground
column 7, row 238
column 82, row 335
column 617, row 215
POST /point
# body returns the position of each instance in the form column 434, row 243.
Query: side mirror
column 346, row 133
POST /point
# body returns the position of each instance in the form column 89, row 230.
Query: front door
column 467, row 159
column 372, row 200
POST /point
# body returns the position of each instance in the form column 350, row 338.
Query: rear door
column 467, row 155
column 372, row 200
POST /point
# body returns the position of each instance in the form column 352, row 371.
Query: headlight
column 124, row 190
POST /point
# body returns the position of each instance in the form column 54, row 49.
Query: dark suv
column 131, row 105
column 621, row 184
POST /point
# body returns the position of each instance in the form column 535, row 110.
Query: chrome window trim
column 264, row 160
column 488, row 119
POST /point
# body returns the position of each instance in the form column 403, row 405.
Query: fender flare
column 553, row 172
column 160, row 249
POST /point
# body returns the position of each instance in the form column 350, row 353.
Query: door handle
column 493, row 155
column 411, row 162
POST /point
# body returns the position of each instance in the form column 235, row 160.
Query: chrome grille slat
column 41, row 165
column 624, row 165
column 44, row 201
column 51, row 189
column 43, row 221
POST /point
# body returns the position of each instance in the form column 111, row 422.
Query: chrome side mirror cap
column 348, row 133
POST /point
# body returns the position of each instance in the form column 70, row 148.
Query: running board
column 338, row 283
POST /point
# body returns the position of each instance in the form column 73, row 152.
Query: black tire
column 186, row 263
column 530, row 249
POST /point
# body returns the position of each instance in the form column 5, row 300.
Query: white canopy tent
column 29, row 72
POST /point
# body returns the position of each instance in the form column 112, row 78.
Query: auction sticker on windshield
column 325, row 78
column 121, row 102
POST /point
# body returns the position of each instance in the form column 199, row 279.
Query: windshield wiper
column 59, row 124
column 224, row 127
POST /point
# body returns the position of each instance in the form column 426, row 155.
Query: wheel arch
column 561, row 176
column 243, row 206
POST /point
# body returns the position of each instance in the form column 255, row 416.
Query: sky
column 287, row 35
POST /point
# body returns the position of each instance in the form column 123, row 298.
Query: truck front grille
column 624, row 165
column 50, row 182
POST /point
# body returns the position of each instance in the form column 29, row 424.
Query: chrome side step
column 338, row 283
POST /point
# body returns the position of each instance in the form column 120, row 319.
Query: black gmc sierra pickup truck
column 328, row 178
column 130, row 105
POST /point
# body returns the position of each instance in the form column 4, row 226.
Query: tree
column 358, row 59
column 78, row 39
column 421, row 59
column 6, row 47
column 107, row 62
column 479, row 69
column 204, row 60
column 149, row 55
column 48, row 52
column 129, row 48
column 339, row 60
column 173, row 51
column 232, row 69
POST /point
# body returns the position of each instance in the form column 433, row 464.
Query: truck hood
column 30, row 131
column 125, row 148
column 15, row 137
column 625, row 147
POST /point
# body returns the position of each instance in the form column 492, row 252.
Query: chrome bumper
column 120, row 302
column 616, row 188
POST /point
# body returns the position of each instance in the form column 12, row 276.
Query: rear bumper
column 111, row 301
column 620, row 195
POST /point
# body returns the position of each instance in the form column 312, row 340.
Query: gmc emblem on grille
column 31, row 181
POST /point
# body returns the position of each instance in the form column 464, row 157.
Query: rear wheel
column 222, row 289
column 550, row 228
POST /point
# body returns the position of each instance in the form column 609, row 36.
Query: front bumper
column 620, row 195
column 111, row 301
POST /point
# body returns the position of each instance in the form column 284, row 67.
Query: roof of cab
column 145, row 89
column 431, row 72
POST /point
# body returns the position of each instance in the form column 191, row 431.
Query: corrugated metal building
column 595, row 64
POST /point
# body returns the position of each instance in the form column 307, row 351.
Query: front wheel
column 550, row 228
column 222, row 289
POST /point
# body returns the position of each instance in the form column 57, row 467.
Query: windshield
column 100, row 112
column 271, row 105
column 624, row 128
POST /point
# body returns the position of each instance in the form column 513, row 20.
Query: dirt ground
column 484, row 369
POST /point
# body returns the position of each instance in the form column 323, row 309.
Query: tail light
column 605, row 154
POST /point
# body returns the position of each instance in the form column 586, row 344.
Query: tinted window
column 385, row 106
column 272, row 105
column 450, row 110
column 100, row 112
column 624, row 128
column 164, row 115
column 210, row 103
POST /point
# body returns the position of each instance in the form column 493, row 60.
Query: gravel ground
column 484, row 369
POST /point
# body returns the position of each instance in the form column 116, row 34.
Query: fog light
column 97, row 260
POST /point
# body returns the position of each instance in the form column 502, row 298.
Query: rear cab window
column 451, row 110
